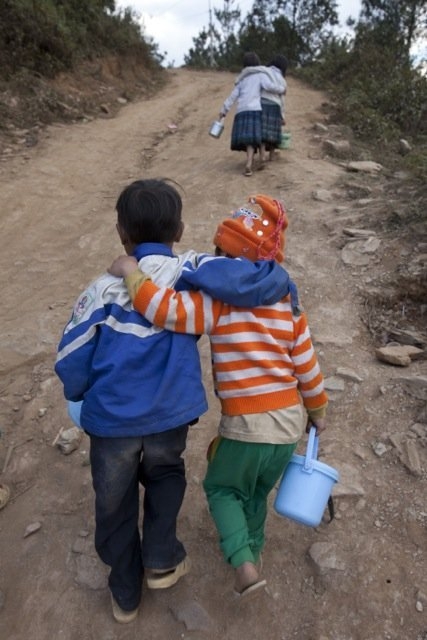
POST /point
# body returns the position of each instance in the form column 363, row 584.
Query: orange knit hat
column 255, row 231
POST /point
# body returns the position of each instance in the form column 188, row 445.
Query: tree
column 311, row 23
column 296, row 28
column 218, row 44
column 377, row 90
column 289, row 40
column 228, row 18
column 395, row 23
column 199, row 55
column 228, row 46
column 257, row 30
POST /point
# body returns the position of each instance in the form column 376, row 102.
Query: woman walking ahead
column 246, row 132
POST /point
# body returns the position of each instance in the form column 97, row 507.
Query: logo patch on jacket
column 82, row 305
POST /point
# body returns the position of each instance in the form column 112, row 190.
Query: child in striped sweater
column 266, row 376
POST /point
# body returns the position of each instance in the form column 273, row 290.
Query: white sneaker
column 167, row 579
column 121, row 615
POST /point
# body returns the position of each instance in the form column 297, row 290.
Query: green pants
column 239, row 477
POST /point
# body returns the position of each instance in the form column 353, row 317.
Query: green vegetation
column 47, row 36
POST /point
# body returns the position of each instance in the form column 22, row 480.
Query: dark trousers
column 118, row 466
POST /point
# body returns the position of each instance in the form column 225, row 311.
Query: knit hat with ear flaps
column 255, row 231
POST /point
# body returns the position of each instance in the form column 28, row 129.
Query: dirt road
column 361, row 577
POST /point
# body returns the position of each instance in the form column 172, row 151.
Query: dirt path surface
column 361, row 577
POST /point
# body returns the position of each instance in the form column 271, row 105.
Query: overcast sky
column 174, row 24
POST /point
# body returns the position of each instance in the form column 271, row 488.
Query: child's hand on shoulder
column 123, row 266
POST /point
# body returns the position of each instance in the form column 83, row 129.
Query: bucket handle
column 312, row 448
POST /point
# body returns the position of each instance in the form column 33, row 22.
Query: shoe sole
column 251, row 591
column 164, row 581
column 122, row 616
column 4, row 495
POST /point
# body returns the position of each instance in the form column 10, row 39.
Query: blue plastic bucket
column 306, row 486
column 74, row 410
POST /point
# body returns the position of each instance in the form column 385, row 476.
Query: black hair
column 251, row 59
column 281, row 62
column 150, row 211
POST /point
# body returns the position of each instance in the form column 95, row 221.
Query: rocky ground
column 357, row 247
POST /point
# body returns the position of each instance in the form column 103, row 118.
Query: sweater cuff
column 320, row 412
column 134, row 281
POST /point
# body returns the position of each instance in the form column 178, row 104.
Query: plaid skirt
column 246, row 130
column 271, row 124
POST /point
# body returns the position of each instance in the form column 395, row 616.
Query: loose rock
column 366, row 166
column 334, row 383
column 69, row 440
column 400, row 355
column 322, row 195
column 32, row 528
column 193, row 615
column 348, row 374
column 337, row 148
column 326, row 557
column 359, row 233
column 415, row 386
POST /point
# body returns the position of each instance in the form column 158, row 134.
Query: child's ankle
column 246, row 575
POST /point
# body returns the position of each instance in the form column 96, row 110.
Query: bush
column 47, row 36
column 379, row 98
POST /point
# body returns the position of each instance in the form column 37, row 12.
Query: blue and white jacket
column 134, row 378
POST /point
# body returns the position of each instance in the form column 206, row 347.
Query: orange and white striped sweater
column 263, row 357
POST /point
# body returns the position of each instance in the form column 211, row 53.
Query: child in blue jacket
column 141, row 388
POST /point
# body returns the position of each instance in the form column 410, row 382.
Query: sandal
column 251, row 590
column 248, row 171
column 4, row 495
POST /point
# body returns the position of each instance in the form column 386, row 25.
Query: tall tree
column 312, row 22
column 217, row 44
column 228, row 19
column 201, row 53
column 396, row 23
column 297, row 28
